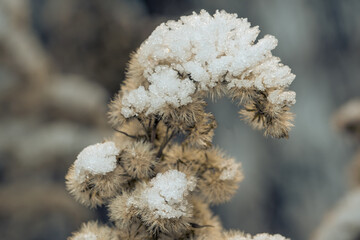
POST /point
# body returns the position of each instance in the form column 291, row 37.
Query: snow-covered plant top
column 158, row 188
column 199, row 52
column 95, row 159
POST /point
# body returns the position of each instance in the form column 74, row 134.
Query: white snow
column 198, row 52
column 265, row 236
column 86, row 236
column 165, row 88
column 136, row 101
column 261, row 236
column 95, row 159
column 165, row 194
column 282, row 98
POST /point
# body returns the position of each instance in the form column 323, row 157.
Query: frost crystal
column 262, row 236
column 165, row 88
column 287, row 98
column 99, row 158
column 86, row 236
column 230, row 170
column 165, row 195
column 197, row 53
column 265, row 236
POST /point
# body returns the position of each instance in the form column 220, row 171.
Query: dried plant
column 159, row 172
column 347, row 118
column 343, row 221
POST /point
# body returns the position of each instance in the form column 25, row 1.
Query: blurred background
column 61, row 61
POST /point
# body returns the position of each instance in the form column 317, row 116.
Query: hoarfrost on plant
column 197, row 53
column 165, row 88
column 165, row 194
column 261, row 236
column 277, row 97
column 99, row 158
column 230, row 170
column 86, row 236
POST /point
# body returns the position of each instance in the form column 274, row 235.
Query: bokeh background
column 61, row 61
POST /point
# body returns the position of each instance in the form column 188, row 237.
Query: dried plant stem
column 153, row 131
column 163, row 145
column 126, row 134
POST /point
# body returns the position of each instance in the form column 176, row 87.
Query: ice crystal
column 99, row 158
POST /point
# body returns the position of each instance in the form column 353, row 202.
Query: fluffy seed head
column 138, row 159
column 95, row 190
column 219, row 179
column 94, row 231
column 270, row 111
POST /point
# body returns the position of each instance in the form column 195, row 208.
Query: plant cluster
column 160, row 172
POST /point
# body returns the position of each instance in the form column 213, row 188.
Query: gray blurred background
column 61, row 61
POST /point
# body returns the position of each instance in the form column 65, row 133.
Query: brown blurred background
column 61, row 61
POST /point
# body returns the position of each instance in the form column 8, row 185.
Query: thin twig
column 150, row 121
column 145, row 129
column 140, row 121
column 163, row 145
column 153, row 131
column 148, row 132
column 126, row 134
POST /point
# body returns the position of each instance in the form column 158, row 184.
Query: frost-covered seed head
column 162, row 99
column 165, row 194
column 94, row 231
column 95, row 159
column 282, row 98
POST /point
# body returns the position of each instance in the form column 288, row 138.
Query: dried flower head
column 96, row 176
column 94, row 231
column 219, row 179
column 162, row 203
column 206, row 225
column 138, row 160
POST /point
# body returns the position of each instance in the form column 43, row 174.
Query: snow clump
column 95, row 159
